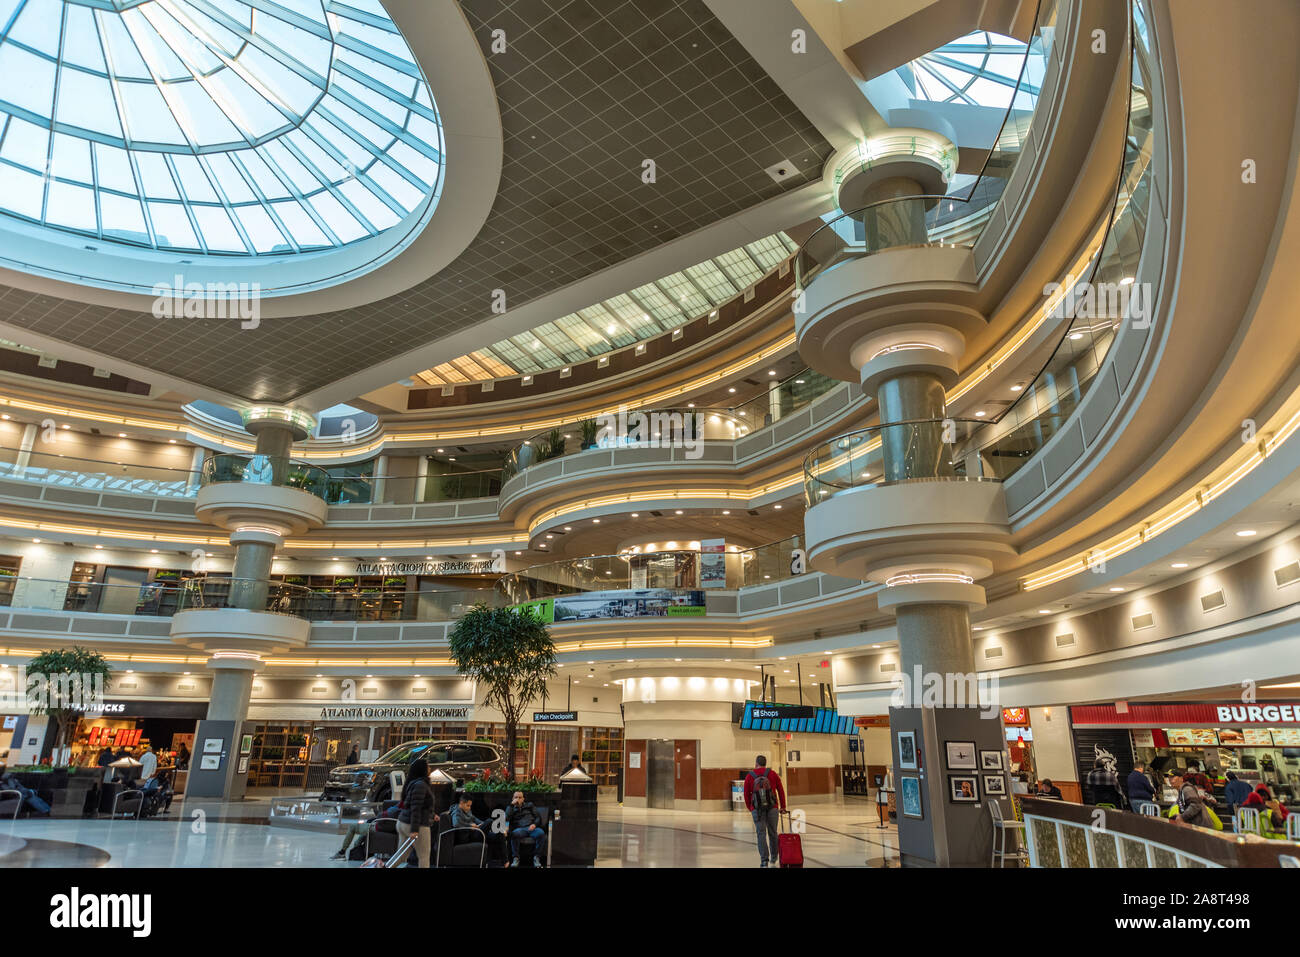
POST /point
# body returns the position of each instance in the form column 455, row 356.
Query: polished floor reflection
column 236, row 835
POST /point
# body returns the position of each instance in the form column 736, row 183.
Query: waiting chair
column 7, row 795
column 1247, row 821
column 381, row 837
column 1001, row 828
column 1286, row 860
column 1149, row 808
column 128, row 802
column 464, row 851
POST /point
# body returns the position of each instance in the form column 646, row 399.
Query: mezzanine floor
column 842, row 834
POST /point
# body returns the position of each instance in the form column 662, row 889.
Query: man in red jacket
column 765, row 799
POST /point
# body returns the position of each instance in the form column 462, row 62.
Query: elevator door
column 661, row 773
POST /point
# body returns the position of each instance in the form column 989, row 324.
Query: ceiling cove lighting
column 253, row 129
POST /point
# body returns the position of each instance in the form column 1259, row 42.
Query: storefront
column 1259, row 742
column 136, row 723
column 1020, row 746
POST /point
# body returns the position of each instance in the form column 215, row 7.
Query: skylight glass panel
column 684, row 295
column 713, row 281
column 23, row 191
column 739, row 268
column 151, row 86
column 583, row 338
column 979, row 69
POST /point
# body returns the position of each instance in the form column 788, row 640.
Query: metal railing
column 659, row 427
column 251, row 594
column 69, row 471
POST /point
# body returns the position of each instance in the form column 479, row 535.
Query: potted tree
column 509, row 653
column 70, row 678
column 589, row 432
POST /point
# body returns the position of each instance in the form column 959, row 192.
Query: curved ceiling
column 586, row 95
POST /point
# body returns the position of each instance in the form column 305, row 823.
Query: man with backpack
column 765, row 799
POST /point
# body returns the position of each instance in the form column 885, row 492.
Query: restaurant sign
column 495, row 565
column 419, row 712
column 1187, row 715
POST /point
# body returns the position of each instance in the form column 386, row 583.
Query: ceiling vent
column 994, row 651
column 888, row 666
column 1064, row 641
column 488, row 385
column 782, row 171
column 1287, row 574
column 1147, row 620
column 1213, row 601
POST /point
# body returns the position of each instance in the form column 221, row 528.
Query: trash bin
column 738, row 795
column 573, row 836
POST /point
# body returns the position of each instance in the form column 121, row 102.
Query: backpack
column 762, row 794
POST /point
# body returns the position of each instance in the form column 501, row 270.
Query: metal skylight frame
column 642, row 313
column 976, row 59
column 352, row 159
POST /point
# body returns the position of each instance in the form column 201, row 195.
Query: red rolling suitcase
column 789, row 847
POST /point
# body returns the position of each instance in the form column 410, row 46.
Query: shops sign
column 1258, row 713
column 418, row 713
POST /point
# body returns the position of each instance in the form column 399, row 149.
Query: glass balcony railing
column 666, row 569
column 671, row 427
column 66, row 471
column 956, row 218
column 926, row 450
column 1104, row 297
column 244, row 593
column 154, row 598
column 283, row 472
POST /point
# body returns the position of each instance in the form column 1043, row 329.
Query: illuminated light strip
column 1246, row 461
column 7, row 522
column 924, row 578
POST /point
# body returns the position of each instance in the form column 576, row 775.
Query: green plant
column 496, row 782
column 68, row 673
column 553, row 445
column 510, row 654
column 589, row 432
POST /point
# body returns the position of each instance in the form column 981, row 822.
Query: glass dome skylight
column 225, row 127
column 980, row 69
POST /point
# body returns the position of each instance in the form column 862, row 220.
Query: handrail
column 912, row 229
column 1125, row 225
column 282, row 471
column 47, row 468
column 919, row 450
column 758, row 411
column 250, row 594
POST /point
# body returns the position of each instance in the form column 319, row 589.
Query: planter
column 484, row 803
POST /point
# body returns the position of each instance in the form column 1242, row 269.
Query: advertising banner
column 713, row 563
column 623, row 603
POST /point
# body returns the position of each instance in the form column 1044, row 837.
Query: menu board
column 1258, row 737
column 1231, row 736
column 1142, row 738
column 1286, row 737
column 1193, row 737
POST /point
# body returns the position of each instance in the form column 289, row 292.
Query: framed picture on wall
column 991, row 761
column 210, row 762
column 243, row 764
column 246, row 744
column 962, row 789
column 909, row 794
column 213, row 745
column 907, row 750
column 961, row 755
column 995, row 785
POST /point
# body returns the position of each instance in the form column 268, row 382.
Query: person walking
column 416, row 817
column 765, row 799
column 148, row 763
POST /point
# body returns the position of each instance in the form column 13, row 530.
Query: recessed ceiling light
column 1016, row 388
column 636, row 514
column 732, row 389
column 771, row 372
column 1126, row 281
column 1044, row 611
column 595, row 521
column 568, row 528
column 36, row 541
column 679, row 511
column 1246, row 533
column 1076, row 335
column 120, row 435
column 1178, row 565
column 726, row 511
column 778, row 507
column 1116, row 588
column 980, row 414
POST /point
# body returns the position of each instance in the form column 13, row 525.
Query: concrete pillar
column 229, row 696
column 232, row 689
column 196, row 469
column 919, row 450
column 891, row 224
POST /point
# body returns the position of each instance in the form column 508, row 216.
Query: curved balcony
column 621, row 431
column 283, row 472
column 956, row 218
column 265, row 491
column 96, row 475
column 896, row 500
column 241, row 614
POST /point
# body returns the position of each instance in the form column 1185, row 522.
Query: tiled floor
column 835, row 835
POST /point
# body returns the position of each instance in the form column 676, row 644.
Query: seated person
column 462, row 815
column 360, row 828
column 523, row 820
column 1046, row 789
column 1235, row 791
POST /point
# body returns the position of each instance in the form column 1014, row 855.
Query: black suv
column 370, row 782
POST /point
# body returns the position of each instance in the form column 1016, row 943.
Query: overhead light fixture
column 1178, row 565
column 1044, row 611
column 1116, row 588
column 980, row 414
column 1246, row 533
column 1016, row 388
